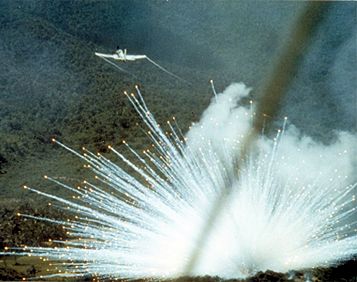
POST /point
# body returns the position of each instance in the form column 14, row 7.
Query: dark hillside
column 51, row 84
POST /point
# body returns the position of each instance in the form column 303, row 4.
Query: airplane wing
column 114, row 56
column 137, row 57
column 134, row 57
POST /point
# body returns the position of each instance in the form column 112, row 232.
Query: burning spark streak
column 148, row 225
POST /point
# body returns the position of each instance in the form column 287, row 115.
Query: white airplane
column 121, row 55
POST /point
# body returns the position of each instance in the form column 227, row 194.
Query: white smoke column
column 291, row 208
column 223, row 122
column 305, row 173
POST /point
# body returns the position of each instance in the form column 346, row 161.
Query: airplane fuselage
column 121, row 57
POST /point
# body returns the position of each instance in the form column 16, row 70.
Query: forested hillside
column 52, row 85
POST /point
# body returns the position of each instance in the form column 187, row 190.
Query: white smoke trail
column 152, row 62
column 165, row 70
column 117, row 67
column 292, row 207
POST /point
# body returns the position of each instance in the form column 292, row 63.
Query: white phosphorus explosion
column 292, row 208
